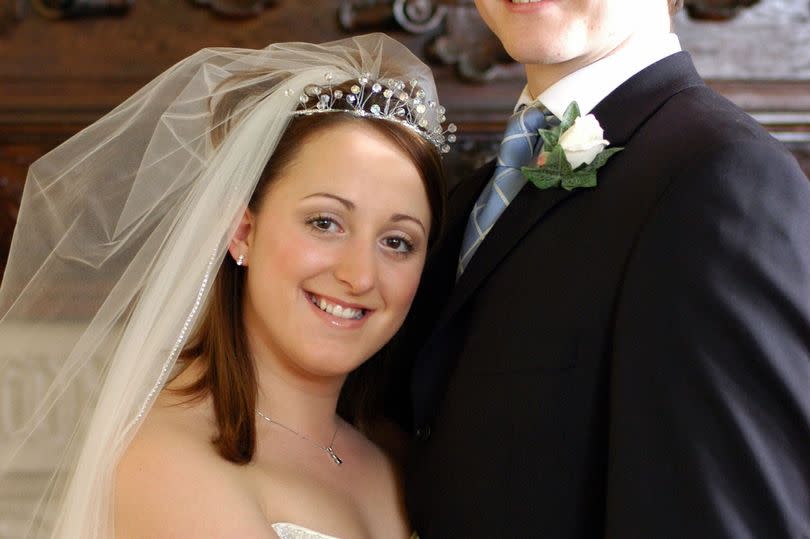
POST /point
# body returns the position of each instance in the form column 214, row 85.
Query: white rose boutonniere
column 583, row 141
column 572, row 152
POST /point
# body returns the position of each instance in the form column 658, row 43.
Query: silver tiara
column 387, row 99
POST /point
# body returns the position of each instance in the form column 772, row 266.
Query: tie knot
column 520, row 139
column 528, row 118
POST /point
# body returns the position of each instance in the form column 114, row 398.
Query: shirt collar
column 592, row 83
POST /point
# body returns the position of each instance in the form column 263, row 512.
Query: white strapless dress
column 285, row 530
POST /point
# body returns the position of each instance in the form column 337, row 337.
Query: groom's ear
column 242, row 238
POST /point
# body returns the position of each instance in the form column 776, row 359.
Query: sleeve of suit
column 710, row 374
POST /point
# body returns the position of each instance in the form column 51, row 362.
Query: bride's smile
column 338, row 312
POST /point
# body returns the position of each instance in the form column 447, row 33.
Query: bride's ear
column 242, row 239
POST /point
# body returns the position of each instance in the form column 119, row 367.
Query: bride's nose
column 356, row 266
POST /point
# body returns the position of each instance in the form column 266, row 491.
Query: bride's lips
column 338, row 313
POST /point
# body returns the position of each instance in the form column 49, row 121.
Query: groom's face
column 576, row 32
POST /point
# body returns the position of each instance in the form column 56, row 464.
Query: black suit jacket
column 629, row 361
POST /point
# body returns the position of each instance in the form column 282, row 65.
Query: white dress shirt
column 592, row 83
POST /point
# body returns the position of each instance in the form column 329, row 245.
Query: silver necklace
column 328, row 449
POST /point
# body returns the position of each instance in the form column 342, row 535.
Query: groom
column 628, row 360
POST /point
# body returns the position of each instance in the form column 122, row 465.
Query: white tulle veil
column 121, row 230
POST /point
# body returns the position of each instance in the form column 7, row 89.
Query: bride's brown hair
column 219, row 340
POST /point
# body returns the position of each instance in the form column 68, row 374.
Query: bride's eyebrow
column 397, row 217
column 348, row 203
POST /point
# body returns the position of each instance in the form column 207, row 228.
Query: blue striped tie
column 518, row 147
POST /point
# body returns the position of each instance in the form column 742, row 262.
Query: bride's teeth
column 338, row 310
column 526, row 1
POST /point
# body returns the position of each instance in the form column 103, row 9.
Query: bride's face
column 335, row 252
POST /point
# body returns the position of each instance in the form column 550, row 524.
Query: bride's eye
column 325, row 224
column 399, row 244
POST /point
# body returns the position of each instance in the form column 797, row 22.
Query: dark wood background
column 59, row 75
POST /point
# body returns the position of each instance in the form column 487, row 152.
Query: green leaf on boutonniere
column 602, row 157
column 580, row 178
column 556, row 161
column 569, row 116
column 550, row 136
column 541, row 178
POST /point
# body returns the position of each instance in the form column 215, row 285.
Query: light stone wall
column 28, row 364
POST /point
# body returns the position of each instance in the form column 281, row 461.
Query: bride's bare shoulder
column 172, row 483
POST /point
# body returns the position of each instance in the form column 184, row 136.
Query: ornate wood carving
column 468, row 44
column 57, row 9
column 458, row 36
column 415, row 16
column 236, row 8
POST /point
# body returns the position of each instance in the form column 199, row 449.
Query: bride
column 248, row 230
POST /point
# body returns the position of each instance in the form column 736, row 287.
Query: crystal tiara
column 386, row 99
